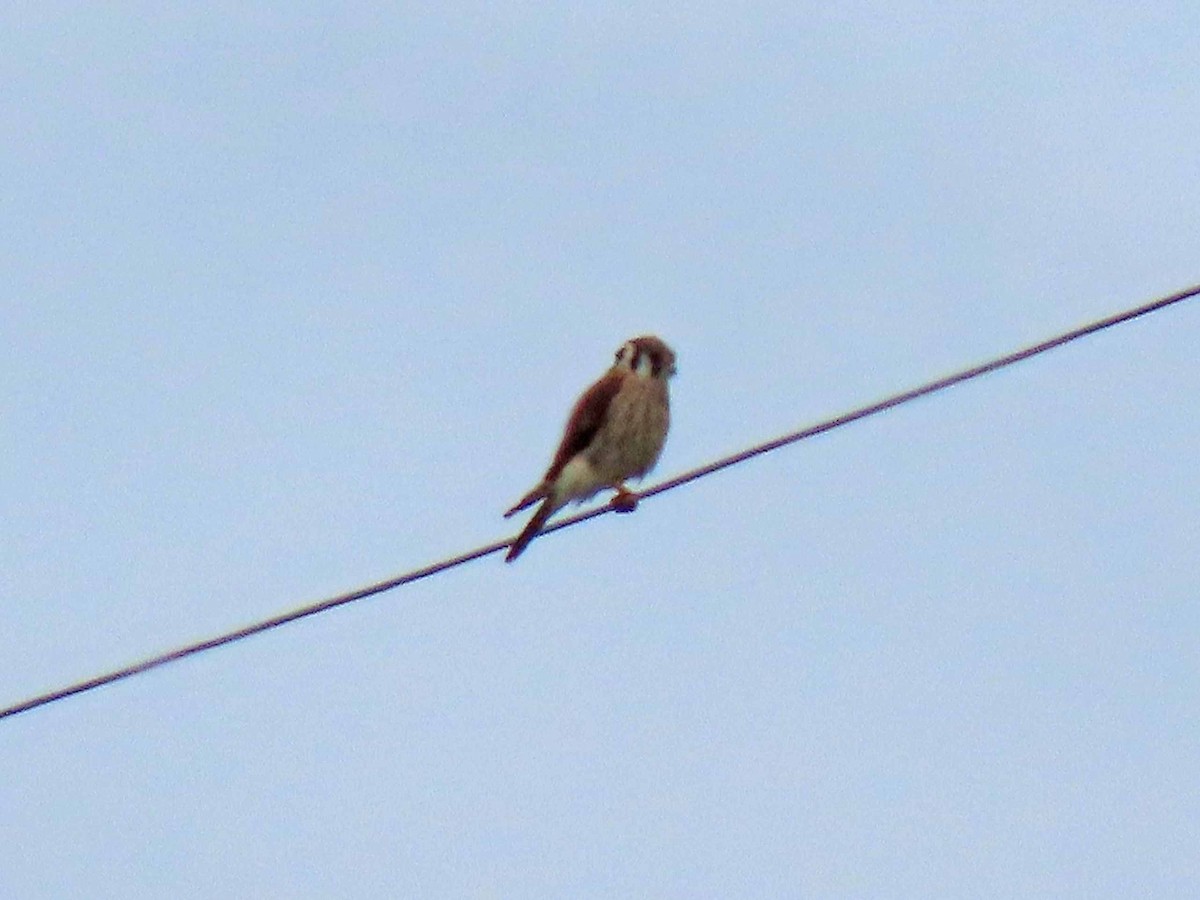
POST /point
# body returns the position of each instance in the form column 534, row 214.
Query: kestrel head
column 647, row 356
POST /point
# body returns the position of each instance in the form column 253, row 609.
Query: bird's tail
column 532, row 527
column 538, row 493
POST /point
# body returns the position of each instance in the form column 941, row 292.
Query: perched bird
column 616, row 431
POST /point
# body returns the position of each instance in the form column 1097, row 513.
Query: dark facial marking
column 655, row 359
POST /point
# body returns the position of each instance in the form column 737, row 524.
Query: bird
column 615, row 432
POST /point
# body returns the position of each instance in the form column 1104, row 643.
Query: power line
column 861, row 412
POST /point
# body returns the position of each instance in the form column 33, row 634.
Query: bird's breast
column 634, row 431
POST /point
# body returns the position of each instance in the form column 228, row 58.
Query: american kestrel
column 615, row 432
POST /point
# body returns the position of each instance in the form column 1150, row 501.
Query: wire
column 861, row 412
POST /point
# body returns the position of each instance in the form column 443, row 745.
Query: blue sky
column 297, row 298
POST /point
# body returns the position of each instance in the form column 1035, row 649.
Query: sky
column 296, row 298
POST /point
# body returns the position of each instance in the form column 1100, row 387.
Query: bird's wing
column 587, row 416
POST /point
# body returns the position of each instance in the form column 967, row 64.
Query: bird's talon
column 624, row 502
